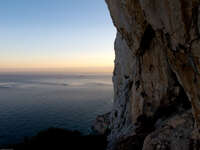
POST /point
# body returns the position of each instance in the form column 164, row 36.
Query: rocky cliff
column 156, row 76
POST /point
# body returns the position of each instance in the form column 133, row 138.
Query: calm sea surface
column 31, row 103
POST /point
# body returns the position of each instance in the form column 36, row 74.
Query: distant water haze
column 33, row 102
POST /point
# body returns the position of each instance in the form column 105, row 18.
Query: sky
column 55, row 34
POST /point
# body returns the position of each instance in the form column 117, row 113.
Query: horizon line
column 98, row 69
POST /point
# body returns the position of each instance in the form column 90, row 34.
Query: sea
column 32, row 102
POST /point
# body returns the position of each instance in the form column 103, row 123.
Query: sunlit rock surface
column 157, row 75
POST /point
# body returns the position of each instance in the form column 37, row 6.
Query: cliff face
column 157, row 75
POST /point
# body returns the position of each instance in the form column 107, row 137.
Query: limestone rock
column 175, row 134
column 157, row 73
column 101, row 124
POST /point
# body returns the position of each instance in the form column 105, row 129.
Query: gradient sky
column 55, row 34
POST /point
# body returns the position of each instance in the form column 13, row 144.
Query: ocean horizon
column 32, row 102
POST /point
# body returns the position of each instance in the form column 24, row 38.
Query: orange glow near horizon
column 84, row 63
column 57, row 37
column 60, row 70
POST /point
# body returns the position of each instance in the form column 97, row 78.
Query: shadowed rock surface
column 101, row 124
column 156, row 76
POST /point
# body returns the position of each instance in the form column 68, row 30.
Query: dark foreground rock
column 60, row 139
